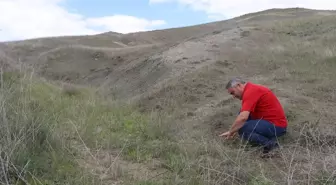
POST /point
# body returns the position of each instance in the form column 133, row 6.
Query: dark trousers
column 261, row 132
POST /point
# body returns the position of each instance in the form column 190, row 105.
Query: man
column 261, row 119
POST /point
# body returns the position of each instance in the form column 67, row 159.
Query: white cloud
column 129, row 23
column 24, row 19
column 230, row 9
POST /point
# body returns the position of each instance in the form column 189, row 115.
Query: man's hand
column 238, row 123
column 228, row 135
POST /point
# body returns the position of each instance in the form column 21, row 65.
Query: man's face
column 236, row 91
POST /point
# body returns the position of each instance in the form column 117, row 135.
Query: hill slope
column 182, row 72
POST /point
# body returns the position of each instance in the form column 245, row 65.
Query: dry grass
column 55, row 135
column 174, row 140
column 46, row 133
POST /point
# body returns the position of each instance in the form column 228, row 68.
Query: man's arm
column 248, row 105
column 237, row 124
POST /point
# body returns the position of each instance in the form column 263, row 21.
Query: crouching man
column 261, row 119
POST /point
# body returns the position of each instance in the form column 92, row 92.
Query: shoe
column 268, row 152
column 268, row 148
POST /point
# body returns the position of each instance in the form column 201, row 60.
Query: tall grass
column 45, row 131
column 33, row 150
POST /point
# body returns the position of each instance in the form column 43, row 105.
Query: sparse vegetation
column 72, row 135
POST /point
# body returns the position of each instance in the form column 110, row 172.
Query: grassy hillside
column 149, row 109
column 49, row 134
column 53, row 135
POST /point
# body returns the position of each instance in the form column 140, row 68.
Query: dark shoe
column 268, row 152
column 271, row 147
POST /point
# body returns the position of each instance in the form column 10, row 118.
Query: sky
column 26, row 19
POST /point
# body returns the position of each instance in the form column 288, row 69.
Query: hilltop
column 182, row 72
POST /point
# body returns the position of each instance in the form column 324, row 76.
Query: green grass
column 51, row 129
column 34, row 151
column 42, row 121
column 261, row 181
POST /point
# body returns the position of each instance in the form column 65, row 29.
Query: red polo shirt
column 263, row 104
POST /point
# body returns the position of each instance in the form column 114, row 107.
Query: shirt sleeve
column 250, row 101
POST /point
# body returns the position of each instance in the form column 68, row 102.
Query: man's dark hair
column 235, row 81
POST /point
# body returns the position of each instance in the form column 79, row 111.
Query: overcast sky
column 24, row 19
